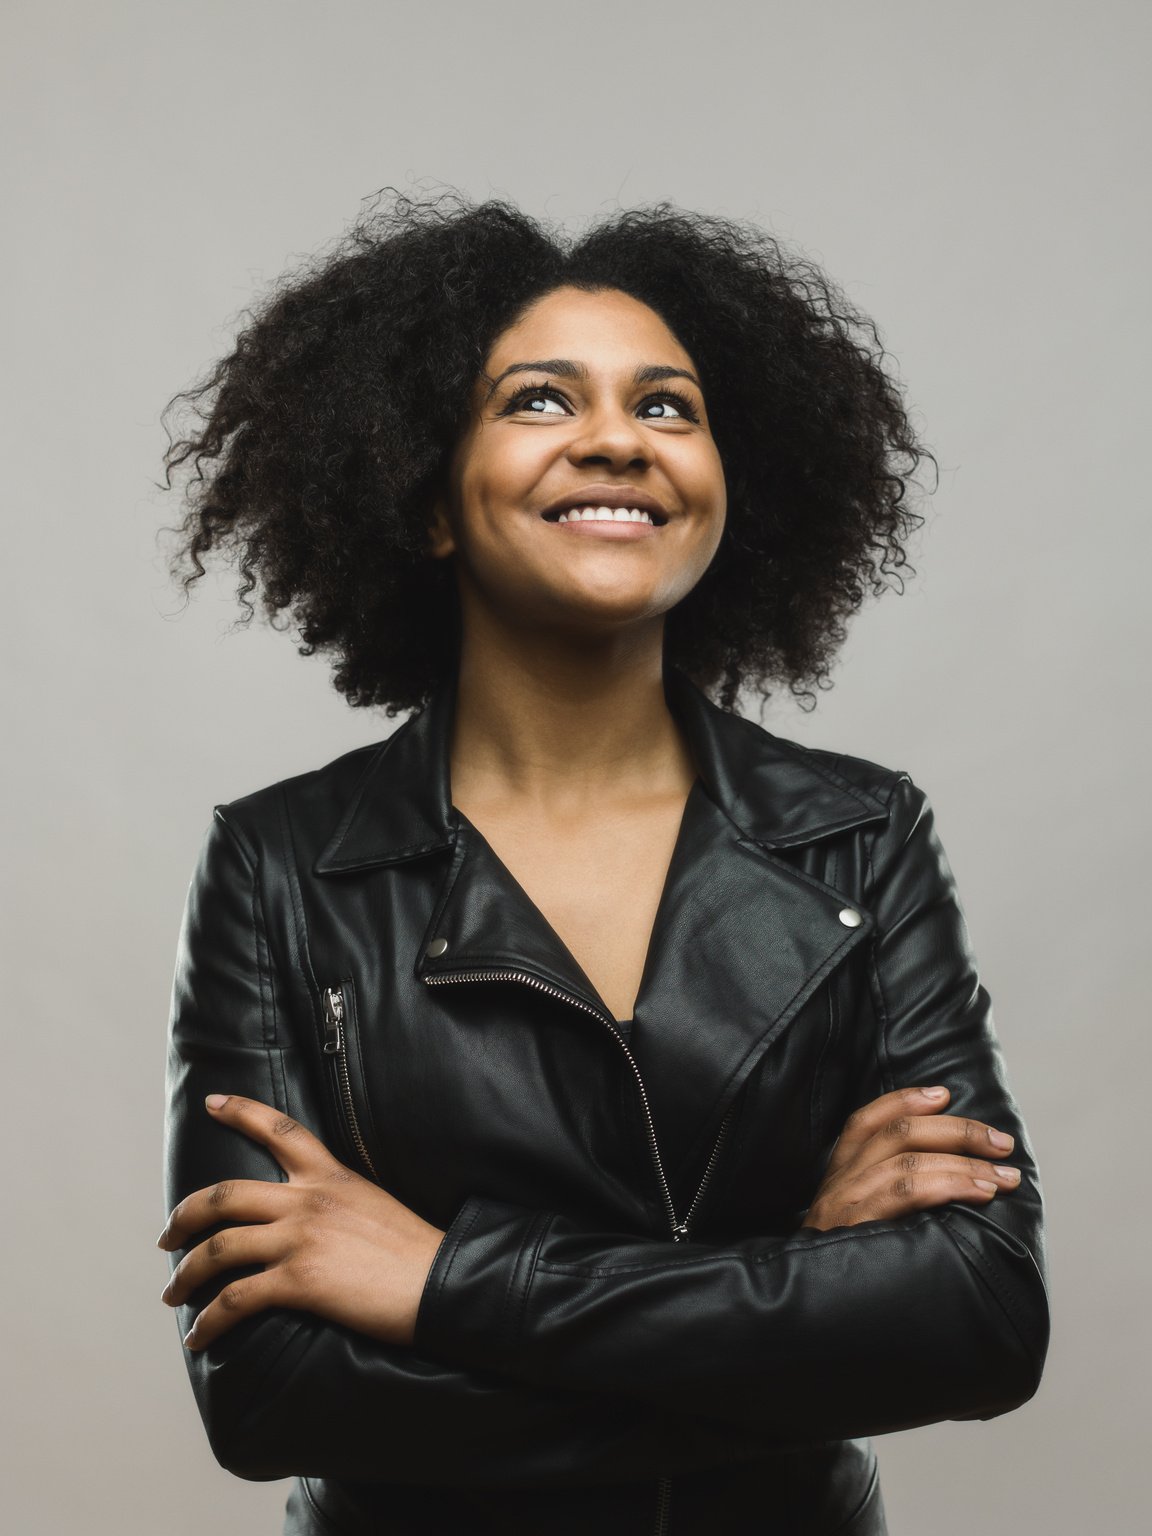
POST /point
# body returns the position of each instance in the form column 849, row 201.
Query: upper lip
column 608, row 496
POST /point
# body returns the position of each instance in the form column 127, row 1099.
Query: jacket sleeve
column 286, row 1393
column 844, row 1333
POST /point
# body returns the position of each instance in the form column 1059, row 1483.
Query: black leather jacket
column 624, row 1329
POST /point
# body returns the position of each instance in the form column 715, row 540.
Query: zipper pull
column 680, row 1232
column 333, row 1020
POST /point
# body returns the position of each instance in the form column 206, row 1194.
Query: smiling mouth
column 592, row 514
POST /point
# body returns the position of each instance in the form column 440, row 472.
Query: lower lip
column 601, row 528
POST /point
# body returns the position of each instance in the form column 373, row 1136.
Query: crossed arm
column 904, row 1300
column 298, row 1281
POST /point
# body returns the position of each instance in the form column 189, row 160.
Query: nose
column 611, row 435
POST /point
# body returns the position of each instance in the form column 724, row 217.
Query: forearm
column 287, row 1393
column 842, row 1334
column 296, row 1396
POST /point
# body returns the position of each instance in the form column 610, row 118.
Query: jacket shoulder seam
column 220, row 814
column 827, row 765
column 267, row 792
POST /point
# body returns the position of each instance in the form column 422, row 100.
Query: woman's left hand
column 332, row 1243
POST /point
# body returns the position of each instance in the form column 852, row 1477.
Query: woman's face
column 577, row 408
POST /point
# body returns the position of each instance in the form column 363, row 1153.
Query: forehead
column 605, row 329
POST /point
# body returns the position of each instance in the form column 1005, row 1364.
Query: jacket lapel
column 486, row 921
column 742, row 938
column 741, row 941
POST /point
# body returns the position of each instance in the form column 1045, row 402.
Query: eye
column 683, row 405
column 522, row 398
column 519, row 400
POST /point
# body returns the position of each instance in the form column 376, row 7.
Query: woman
column 583, row 1108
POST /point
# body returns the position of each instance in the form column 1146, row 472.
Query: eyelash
column 681, row 401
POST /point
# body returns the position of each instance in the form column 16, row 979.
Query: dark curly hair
column 322, row 437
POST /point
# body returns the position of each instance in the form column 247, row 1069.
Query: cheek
column 711, row 496
column 702, row 475
column 493, row 486
column 502, row 465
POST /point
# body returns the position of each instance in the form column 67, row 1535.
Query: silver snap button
column 850, row 917
column 436, row 948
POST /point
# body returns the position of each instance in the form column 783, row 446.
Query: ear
column 441, row 543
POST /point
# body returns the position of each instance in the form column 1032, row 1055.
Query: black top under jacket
column 625, row 1329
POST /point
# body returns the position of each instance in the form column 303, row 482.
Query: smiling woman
column 555, row 1130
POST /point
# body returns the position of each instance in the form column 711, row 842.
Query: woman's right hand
column 898, row 1154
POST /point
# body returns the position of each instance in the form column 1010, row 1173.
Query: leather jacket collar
column 772, row 789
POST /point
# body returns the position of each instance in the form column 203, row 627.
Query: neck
column 560, row 725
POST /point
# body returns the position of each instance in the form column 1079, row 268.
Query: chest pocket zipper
column 336, row 1046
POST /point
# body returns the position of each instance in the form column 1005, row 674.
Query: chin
column 604, row 619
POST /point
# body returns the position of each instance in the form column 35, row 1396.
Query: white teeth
column 605, row 515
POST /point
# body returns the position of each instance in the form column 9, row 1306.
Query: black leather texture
column 575, row 1365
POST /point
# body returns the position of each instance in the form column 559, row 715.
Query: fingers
column 863, row 1124
column 943, row 1134
column 239, row 1299
column 908, row 1182
column 899, row 1153
column 881, row 1196
column 233, row 1200
column 232, row 1248
column 295, row 1148
column 908, row 1120
column 915, row 1181
column 292, row 1145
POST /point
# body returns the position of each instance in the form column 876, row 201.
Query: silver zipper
column 680, row 1229
column 335, row 1045
column 663, row 1498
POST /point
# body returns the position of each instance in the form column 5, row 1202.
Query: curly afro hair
column 322, row 437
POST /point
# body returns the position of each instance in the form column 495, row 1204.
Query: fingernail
column 1006, row 1171
column 216, row 1100
column 984, row 1184
column 934, row 1093
column 162, row 1240
column 1002, row 1140
column 189, row 1342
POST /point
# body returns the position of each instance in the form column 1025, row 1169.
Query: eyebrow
column 565, row 368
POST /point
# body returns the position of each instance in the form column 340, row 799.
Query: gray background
column 974, row 176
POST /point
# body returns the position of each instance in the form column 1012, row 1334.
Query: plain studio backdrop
column 974, row 177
